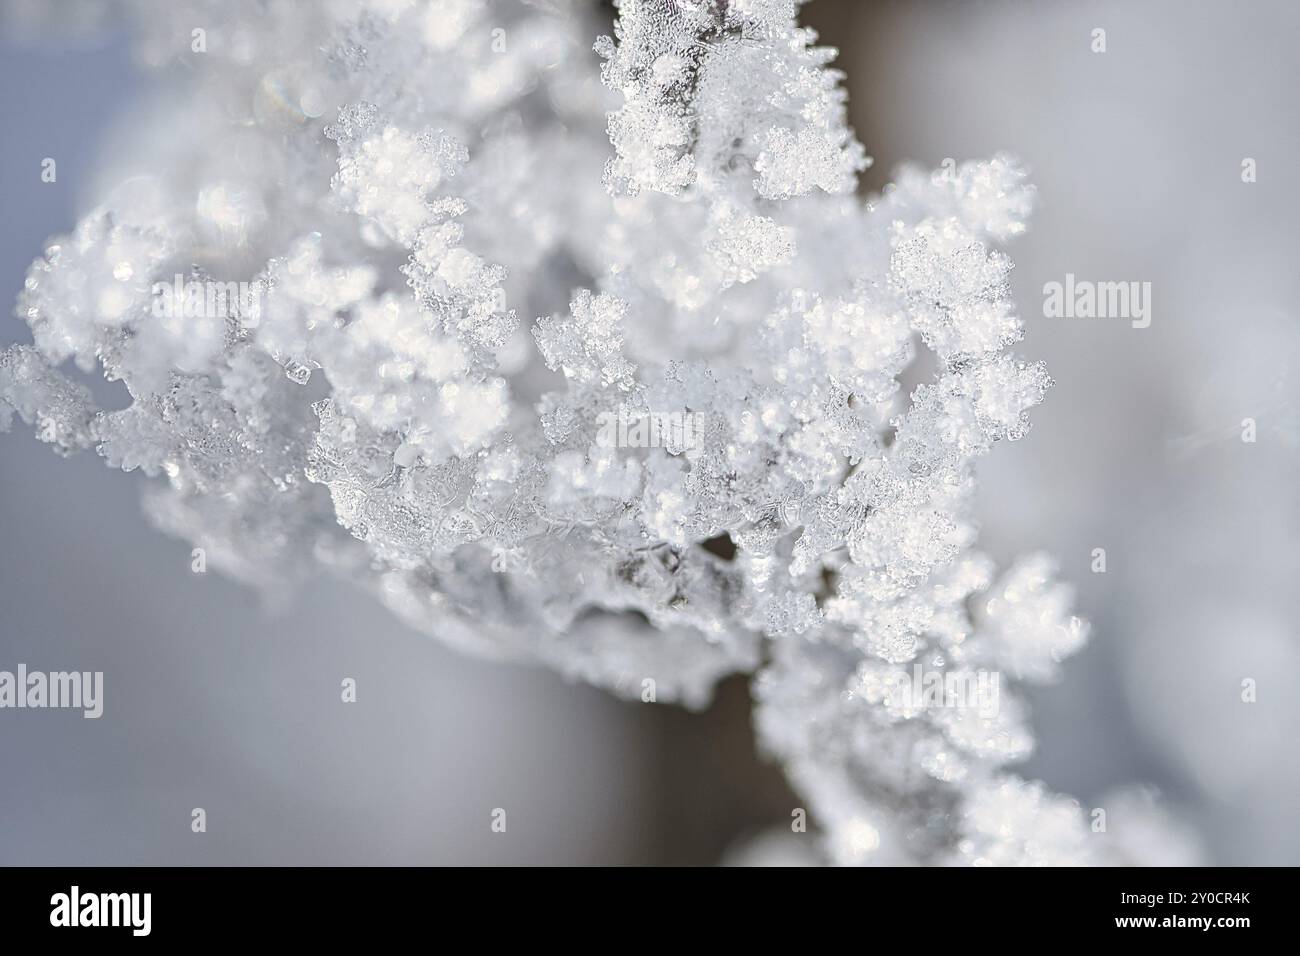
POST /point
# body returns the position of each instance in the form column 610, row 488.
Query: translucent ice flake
column 91, row 287
column 1028, row 622
column 956, row 288
column 1005, row 390
column 794, row 164
column 587, row 344
column 718, row 91
column 748, row 246
column 390, row 175
column 392, row 369
column 60, row 410
column 992, row 199
column 303, row 308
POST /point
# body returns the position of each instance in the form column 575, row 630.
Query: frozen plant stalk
column 404, row 188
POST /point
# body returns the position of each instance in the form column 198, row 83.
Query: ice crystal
column 407, row 191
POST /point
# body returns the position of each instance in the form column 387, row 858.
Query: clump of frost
column 450, row 304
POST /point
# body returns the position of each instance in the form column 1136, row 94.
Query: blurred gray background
column 214, row 701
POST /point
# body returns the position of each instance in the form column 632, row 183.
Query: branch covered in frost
column 517, row 403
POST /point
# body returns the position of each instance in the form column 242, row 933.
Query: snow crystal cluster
column 463, row 238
